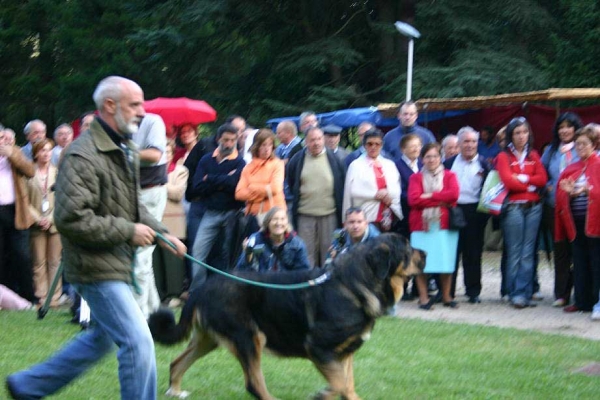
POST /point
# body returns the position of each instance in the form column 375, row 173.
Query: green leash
column 293, row 286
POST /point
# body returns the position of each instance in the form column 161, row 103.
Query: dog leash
column 292, row 286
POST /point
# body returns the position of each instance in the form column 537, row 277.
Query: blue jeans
column 213, row 224
column 520, row 226
column 116, row 319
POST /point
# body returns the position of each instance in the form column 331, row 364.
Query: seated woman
column 275, row 247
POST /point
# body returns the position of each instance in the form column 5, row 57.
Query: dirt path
column 493, row 312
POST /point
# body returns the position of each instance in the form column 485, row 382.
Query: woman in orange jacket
column 261, row 183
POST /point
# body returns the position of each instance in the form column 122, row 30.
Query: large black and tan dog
column 325, row 323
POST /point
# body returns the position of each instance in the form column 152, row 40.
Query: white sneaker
column 595, row 315
column 537, row 296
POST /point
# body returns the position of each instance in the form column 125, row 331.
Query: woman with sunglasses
column 578, row 218
column 373, row 184
column 523, row 174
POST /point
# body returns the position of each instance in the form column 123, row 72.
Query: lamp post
column 411, row 33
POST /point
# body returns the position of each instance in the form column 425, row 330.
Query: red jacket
column 507, row 165
column 448, row 195
column 564, row 225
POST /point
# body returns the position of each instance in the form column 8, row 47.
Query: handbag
column 493, row 194
column 260, row 217
column 457, row 218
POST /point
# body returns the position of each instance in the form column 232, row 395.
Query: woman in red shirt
column 577, row 218
column 430, row 192
column 523, row 174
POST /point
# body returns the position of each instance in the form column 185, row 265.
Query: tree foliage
column 265, row 58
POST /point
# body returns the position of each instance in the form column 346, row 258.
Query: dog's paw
column 173, row 393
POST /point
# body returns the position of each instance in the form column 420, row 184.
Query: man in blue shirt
column 356, row 230
column 407, row 115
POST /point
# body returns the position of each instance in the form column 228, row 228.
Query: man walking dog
column 102, row 223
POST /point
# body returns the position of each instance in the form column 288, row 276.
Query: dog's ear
column 379, row 258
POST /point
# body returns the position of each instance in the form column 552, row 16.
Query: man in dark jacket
column 316, row 179
column 215, row 180
column 102, row 223
column 471, row 170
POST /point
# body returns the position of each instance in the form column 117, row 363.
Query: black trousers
column 15, row 256
column 586, row 272
column 470, row 249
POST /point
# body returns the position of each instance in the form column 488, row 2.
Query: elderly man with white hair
column 449, row 147
column 34, row 131
column 471, row 170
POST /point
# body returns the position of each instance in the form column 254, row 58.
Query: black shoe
column 407, row 297
column 451, row 304
column 474, row 299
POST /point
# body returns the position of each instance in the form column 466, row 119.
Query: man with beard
column 215, row 180
column 102, row 222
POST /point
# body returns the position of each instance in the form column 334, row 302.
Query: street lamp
column 411, row 33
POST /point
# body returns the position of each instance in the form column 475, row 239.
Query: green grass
column 408, row 359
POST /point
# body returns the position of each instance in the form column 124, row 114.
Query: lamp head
column 407, row 30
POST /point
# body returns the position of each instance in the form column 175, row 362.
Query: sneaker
column 595, row 315
column 537, row 296
column 559, row 303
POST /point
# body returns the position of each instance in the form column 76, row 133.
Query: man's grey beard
column 225, row 151
column 126, row 128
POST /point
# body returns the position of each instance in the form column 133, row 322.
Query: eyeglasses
column 431, row 157
column 373, row 144
column 582, row 144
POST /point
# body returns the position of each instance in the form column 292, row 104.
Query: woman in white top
column 373, row 184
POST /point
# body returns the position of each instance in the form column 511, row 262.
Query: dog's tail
column 165, row 330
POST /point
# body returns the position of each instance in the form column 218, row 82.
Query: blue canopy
column 354, row 116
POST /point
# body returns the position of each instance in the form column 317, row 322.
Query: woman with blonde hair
column 45, row 241
column 275, row 247
column 261, row 183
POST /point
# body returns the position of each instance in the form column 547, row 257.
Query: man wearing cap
column 332, row 141
column 34, row 131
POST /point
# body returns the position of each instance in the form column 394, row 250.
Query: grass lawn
column 408, row 359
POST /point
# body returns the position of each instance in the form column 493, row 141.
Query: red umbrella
column 181, row 110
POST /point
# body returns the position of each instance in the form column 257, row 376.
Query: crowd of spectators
column 303, row 199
